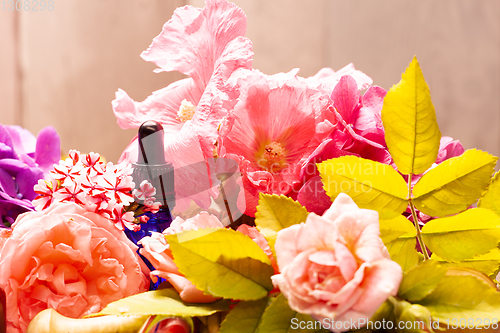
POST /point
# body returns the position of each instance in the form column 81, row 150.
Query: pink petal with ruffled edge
column 201, row 221
column 326, row 79
column 193, row 39
column 382, row 279
column 449, row 148
column 161, row 106
column 369, row 121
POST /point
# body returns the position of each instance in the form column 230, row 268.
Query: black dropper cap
column 151, row 164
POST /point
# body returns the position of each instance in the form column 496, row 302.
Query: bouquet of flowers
column 352, row 212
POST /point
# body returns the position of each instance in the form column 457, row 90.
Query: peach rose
column 335, row 267
column 68, row 259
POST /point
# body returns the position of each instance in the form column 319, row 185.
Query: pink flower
column 207, row 45
column 259, row 238
column 359, row 132
column 146, row 191
column 117, row 183
column 275, row 126
column 98, row 187
column 335, row 266
column 326, row 79
column 201, row 221
column 45, row 190
column 68, row 259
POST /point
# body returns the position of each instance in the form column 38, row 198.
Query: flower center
column 274, row 152
column 186, row 111
column 273, row 157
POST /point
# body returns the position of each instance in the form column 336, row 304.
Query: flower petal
column 26, row 180
column 193, row 39
column 312, row 195
column 23, row 140
column 346, row 98
column 161, row 106
column 7, row 183
column 48, row 149
column 326, row 79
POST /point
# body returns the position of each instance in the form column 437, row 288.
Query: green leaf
column 421, row 280
column 404, row 253
column 370, row 184
column 163, row 302
column 459, row 296
column 488, row 263
column 398, row 235
column 491, row 199
column 275, row 213
column 223, row 263
column 278, row 212
column 455, row 184
column 411, row 131
column 464, row 236
column 244, row 317
column 279, row 318
column 398, row 227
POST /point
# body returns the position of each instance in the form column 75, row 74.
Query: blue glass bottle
column 152, row 167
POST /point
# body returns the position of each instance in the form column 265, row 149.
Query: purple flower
column 24, row 160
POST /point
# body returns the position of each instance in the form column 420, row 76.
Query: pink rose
column 335, row 266
column 261, row 241
column 68, row 259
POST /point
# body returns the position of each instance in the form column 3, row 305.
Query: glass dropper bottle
column 152, row 167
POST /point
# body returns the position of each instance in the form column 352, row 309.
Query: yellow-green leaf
column 398, row 235
column 404, row 253
column 279, row 318
column 488, row 263
column 245, row 317
column 163, row 302
column 455, row 184
column 421, row 280
column 398, row 227
column 278, row 212
column 464, row 236
column 411, row 131
column 370, row 184
column 223, row 263
column 275, row 213
column 491, row 199
column 459, row 296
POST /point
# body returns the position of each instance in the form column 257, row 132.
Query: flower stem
column 415, row 222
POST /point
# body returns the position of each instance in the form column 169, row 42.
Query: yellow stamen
column 273, row 158
column 186, row 111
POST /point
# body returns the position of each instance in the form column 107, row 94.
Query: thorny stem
column 415, row 221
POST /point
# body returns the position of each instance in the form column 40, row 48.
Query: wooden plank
column 457, row 43
column 75, row 57
column 10, row 108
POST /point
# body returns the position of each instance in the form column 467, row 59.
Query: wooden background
column 62, row 68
